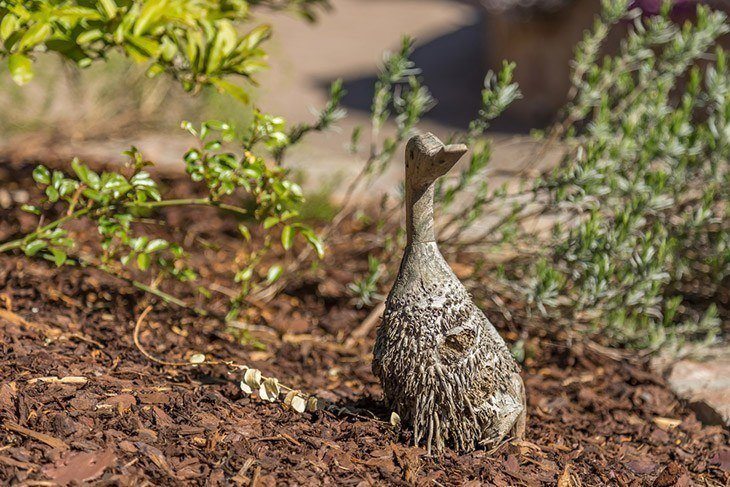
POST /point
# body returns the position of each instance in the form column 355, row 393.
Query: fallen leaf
column 666, row 423
column 197, row 358
column 642, row 466
column 81, row 467
column 269, row 390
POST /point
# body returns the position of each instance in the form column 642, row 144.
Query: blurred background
column 99, row 112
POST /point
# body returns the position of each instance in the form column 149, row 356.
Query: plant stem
column 192, row 201
column 15, row 244
column 168, row 298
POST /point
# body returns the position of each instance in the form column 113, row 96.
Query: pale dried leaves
column 269, row 389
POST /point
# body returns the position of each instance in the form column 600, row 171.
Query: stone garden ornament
column 444, row 368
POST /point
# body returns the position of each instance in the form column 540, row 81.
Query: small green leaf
column 245, row 232
column 86, row 175
column 52, row 194
column 287, row 236
column 139, row 243
column 89, row 36
column 8, row 26
column 274, row 274
column 151, row 12
column 156, row 245
column 256, row 37
column 244, row 275
column 144, row 261
column 59, row 257
column 270, row 222
column 232, row 89
column 21, row 68
column 41, row 175
column 34, row 247
column 31, row 209
column 35, row 35
column 315, row 242
column 109, row 8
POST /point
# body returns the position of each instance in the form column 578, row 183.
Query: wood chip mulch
column 80, row 404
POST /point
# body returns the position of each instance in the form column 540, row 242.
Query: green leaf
column 244, row 275
column 108, row 7
column 245, row 232
column 139, row 243
column 274, row 274
column 141, row 48
column 59, row 257
column 92, row 194
column 256, row 37
column 86, row 175
column 225, row 42
column 35, row 35
column 232, row 89
column 34, row 247
column 41, row 175
column 52, row 194
column 31, row 209
column 144, row 261
column 270, row 222
column 21, row 68
column 314, row 241
column 156, row 245
column 151, row 12
column 89, row 36
column 8, row 26
column 287, row 236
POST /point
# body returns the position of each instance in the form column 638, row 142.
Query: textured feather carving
column 444, row 368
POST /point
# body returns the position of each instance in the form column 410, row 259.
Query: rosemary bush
column 641, row 245
column 637, row 247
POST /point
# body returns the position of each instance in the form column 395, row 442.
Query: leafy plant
column 365, row 289
column 636, row 213
column 198, row 43
column 642, row 197
column 195, row 41
column 239, row 183
column 632, row 227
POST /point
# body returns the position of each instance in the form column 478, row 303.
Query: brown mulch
column 80, row 403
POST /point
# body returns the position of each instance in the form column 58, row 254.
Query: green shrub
column 642, row 244
column 195, row 41
column 637, row 246
column 638, row 243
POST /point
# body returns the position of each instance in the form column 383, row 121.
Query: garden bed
column 111, row 415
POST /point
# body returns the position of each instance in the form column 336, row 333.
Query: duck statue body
column 444, row 368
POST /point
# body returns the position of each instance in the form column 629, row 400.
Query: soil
column 111, row 416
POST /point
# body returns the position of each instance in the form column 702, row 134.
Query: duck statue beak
column 450, row 155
